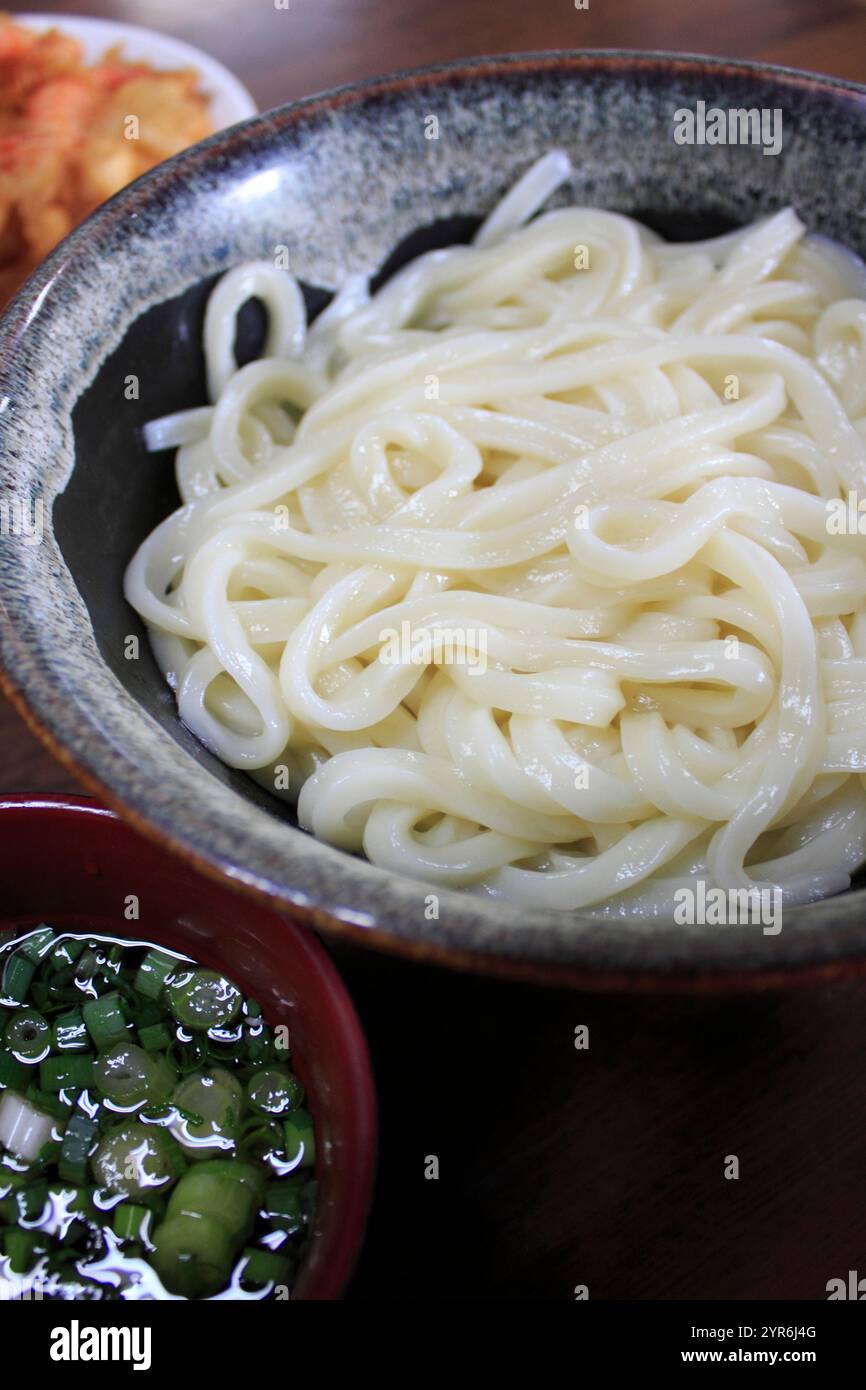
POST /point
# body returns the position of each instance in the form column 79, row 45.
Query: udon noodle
column 537, row 572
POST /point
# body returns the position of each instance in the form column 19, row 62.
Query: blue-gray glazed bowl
column 349, row 183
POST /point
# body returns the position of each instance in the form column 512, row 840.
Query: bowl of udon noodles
column 435, row 507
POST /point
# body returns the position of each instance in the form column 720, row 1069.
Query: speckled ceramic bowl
column 343, row 180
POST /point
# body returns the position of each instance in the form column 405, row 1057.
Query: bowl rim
column 586, row 958
column 360, row 1171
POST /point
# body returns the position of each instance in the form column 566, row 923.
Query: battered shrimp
column 65, row 142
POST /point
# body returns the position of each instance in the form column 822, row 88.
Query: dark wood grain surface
column 560, row 1167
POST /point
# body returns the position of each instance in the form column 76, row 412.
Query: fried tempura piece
column 71, row 136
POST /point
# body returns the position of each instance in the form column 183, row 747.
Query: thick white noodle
column 591, row 477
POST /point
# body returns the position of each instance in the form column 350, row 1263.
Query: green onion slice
column 202, row 999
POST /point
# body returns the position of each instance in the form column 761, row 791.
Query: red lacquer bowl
column 70, row 862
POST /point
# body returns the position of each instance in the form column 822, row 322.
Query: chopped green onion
column 66, row 952
column 50, row 1102
column 12, row 1072
column 274, row 1092
column 72, row 1072
column 258, row 1042
column 155, row 1037
column 192, row 1255
column 261, row 1136
column 202, row 999
column 17, row 975
column 154, row 973
column 284, row 1205
column 300, row 1139
column 27, row 1034
column 31, row 1200
column 20, row 1247
column 264, row 1267
column 205, row 1109
column 105, row 1020
column 88, row 965
column 75, row 1149
column 215, row 1099
column 70, row 1032
column 188, row 1057
column 38, row 945
column 13, row 1178
column 129, row 1220
column 130, row 1076
column 143, row 1012
column 228, row 1191
column 24, row 1130
column 73, row 1200
column 41, row 996
column 136, row 1160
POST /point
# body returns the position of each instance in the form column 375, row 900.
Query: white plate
column 228, row 98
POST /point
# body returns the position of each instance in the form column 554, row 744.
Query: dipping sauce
column 154, row 1141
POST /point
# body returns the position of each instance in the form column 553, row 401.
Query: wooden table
column 561, row 1167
